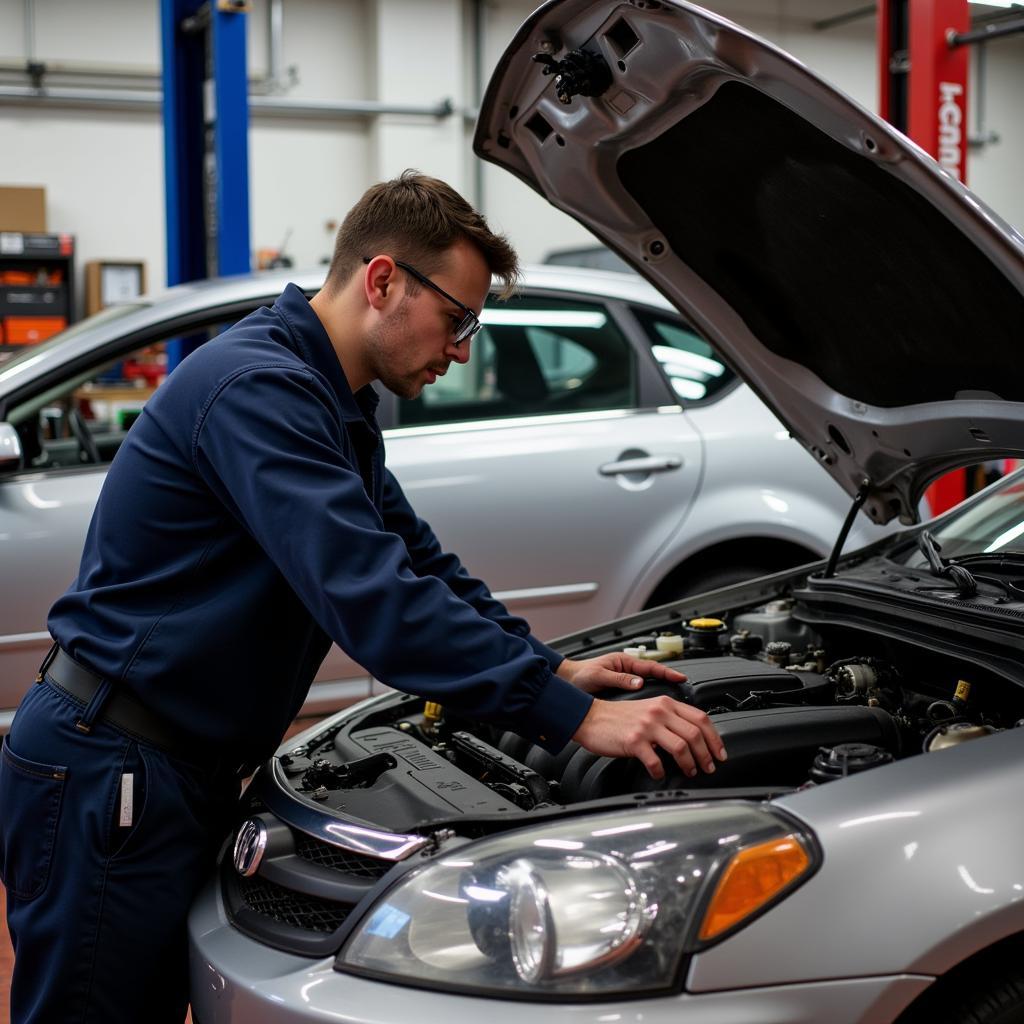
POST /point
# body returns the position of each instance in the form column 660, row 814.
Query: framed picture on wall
column 111, row 282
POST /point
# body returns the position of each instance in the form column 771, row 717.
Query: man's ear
column 379, row 282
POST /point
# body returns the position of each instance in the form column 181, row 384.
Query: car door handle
column 651, row 464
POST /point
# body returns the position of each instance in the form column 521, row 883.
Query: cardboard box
column 109, row 282
column 22, row 209
column 27, row 330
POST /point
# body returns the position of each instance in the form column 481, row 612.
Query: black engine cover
column 772, row 746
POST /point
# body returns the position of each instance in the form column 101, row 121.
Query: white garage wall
column 103, row 170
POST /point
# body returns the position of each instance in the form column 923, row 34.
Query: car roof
column 245, row 290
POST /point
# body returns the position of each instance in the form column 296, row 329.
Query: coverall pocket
column 30, row 801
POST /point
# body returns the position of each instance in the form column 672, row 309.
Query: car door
column 546, row 463
column 70, row 430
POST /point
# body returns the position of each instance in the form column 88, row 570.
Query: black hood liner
column 820, row 250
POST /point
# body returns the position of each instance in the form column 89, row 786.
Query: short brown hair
column 417, row 218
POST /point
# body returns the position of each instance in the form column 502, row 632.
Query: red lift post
column 923, row 93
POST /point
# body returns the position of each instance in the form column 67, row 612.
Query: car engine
column 806, row 685
column 795, row 706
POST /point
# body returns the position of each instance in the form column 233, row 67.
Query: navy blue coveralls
column 246, row 521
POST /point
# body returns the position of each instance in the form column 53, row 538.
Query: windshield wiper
column 961, row 578
column 1012, row 560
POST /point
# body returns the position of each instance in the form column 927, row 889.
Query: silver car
column 860, row 856
column 590, row 409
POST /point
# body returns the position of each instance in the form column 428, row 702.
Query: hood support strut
column 861, row 497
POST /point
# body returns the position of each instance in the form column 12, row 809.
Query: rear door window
column 694, row 369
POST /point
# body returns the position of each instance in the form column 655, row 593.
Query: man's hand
column 634, row 728
column 615, row 671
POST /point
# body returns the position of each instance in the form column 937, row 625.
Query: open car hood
column 868, row 297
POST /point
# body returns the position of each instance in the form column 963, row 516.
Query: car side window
column 534, row 356
column 693, row 368
column 83, row 419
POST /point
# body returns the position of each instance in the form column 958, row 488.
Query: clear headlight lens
column 585, row 906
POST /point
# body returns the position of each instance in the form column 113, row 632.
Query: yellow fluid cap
column 432, row 711
column 706, row 623
column 963, row 690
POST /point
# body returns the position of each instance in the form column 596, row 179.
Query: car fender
column 921, row 870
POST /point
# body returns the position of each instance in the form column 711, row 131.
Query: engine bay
column 798, row 703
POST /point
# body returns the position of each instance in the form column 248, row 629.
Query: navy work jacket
column 247, row 520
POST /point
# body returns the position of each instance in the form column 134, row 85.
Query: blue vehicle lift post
column 206, row 147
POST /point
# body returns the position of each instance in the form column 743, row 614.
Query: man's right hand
column 635, row 728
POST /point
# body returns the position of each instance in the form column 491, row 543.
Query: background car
column 590, row 410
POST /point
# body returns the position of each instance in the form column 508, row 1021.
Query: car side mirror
column 10, row 449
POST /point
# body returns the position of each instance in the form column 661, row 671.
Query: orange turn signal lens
column 753, row 877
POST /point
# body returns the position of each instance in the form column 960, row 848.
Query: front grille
column 305, row 920
column 316, row 851
column 311, row 913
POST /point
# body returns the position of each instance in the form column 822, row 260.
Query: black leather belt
column 129, row 715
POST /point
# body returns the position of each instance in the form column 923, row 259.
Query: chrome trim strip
column 328, row 694
column 26, row 639
column 547, row 595
column 526, row 420
column 329, row 827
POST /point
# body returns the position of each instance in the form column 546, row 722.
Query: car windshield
column 994, row 525
column 105, row 315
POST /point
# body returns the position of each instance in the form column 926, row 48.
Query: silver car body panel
column 629, row 534
column 679, row 64
column 236, row 979
column 921, row 833
column 928, row 840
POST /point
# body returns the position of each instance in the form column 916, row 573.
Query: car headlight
column 597, row 905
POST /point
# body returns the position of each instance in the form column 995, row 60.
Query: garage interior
column 103, row 142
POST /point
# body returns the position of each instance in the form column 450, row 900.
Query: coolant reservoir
column 774, row 622
column 704, row 637
column 955, row 733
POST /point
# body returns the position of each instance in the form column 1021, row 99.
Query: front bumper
column 235, row 979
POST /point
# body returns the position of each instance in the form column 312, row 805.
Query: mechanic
column 246, row 522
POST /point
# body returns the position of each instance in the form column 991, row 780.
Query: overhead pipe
column 268, row 106
column 147, row 100
column 276, row 80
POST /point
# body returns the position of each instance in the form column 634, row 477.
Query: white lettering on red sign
column 951, row 118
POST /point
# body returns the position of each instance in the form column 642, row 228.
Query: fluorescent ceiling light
column 994, row 3
column 543, row 318
column 688, row 388
column 671, row 358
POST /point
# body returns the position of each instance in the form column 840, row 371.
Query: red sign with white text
column 937, row 102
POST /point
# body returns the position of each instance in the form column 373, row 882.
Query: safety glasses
column 470, row 322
